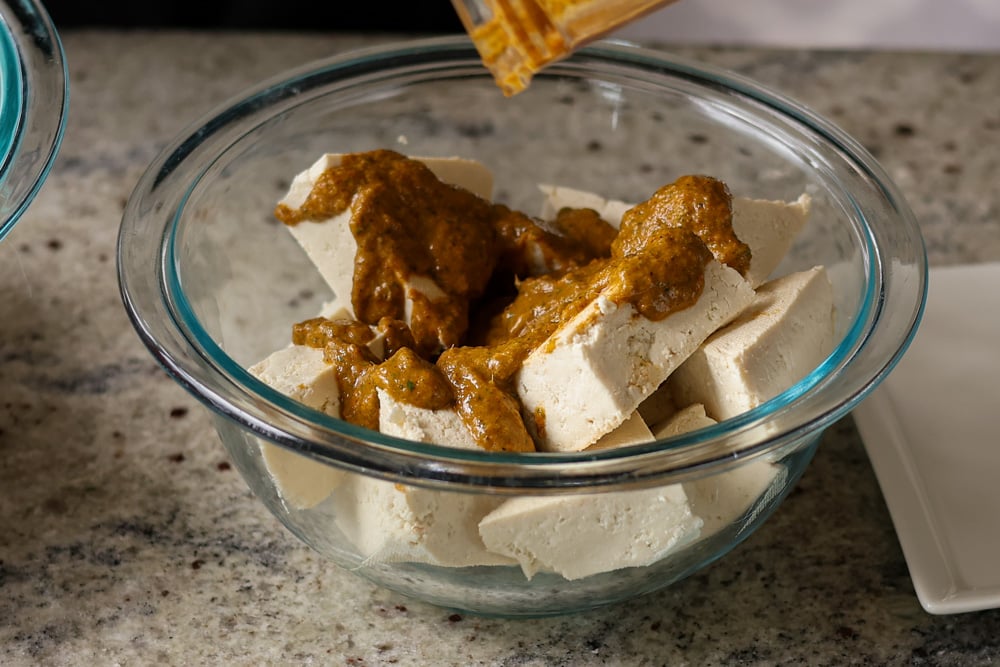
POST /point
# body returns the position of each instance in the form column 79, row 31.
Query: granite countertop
column 127, row 538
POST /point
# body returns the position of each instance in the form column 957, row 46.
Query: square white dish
column 932, row 432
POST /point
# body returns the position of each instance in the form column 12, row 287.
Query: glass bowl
column 212, row 284
column 33, row 104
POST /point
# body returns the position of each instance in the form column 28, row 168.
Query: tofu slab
column 445, row 427
column 396, row 537
column 582, row 535
column 300, row 373
column 439, row 427
column 389, row 522
column 785, row 333
column 331, row 245
column 592, row 373
column 768, row 227
column 385, row 522
column 577, row 380
column 726, row 498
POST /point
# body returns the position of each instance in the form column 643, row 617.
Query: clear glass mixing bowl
column 212, row 283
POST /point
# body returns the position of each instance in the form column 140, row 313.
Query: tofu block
column 331, row 245
column 578, row 536
column 468, row 174
column 445, row 427
column 683, row 421
column 388, row 533
column 633, row 431
column 725, row 498
column 592, row 373
column 558, row 198
column 785, row 333
column 731, row 497
column 390, row 522
column 768, row 227
column 300, row 373
column 440, row 427
column 386, row 522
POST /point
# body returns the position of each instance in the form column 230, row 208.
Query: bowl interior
column 241, row 279
column 614, row 120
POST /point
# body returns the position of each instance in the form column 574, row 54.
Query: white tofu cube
column 728, row 497
column 330, row 243
column 768, row 227
column 581, row 535
column 785, row 333
column 593, row 372
column 300, row 373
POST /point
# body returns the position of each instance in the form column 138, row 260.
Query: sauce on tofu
column 428, row 251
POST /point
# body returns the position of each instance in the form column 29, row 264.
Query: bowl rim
column 168, row 327
column 34, row 104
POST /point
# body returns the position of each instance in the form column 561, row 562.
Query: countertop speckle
column 127, row 538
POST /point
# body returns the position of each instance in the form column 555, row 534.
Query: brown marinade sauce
column 407, row 224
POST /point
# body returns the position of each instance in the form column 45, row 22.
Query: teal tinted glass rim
column 11, row 99
column 44, row 104
column 236, row 376
column 222, row 363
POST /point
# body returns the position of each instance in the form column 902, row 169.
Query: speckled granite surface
column 126, row 538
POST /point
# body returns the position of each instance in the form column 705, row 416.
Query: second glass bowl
column 34, row 98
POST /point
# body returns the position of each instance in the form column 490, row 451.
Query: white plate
column 932, row 431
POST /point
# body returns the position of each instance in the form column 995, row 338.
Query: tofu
column 592, row 373
column 331, row 245
column 609, row 389
column 785, row 333
column 389, row 532
column 726, row 498
column 683, row 421
column 580, row 389
column 768, row 227
column 389, row 522
column 445, row 427
column 578, row 536
column 558, row 198
column 633, row 431
column 735, row 497
column 440, row 427
column 468, row 174
column 300, row 373
column 386, row 522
